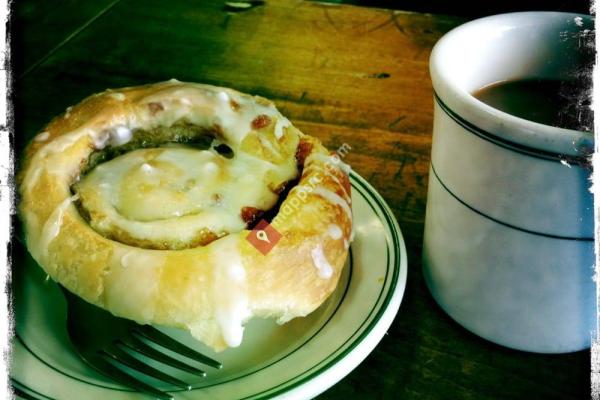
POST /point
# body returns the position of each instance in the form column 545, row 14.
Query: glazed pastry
column 141, row 201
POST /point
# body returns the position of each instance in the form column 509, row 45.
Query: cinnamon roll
column 143, row 201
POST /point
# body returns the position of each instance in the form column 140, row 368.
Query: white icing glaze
column 31, row 178
column 120, row 135
column 211, row 168
column 117, row 96
column 328, row 172
column 324, row 158
column 42, row 137
column 346, row 244
column 267, row 144
column 236, row 273
column 53, row 224
column 58, row 145
column 231, row 300
column 208, row 107
column 68, row 112
column 100, row 139
column 141, row 191
column 324, row 269
column 334, row 198
column 332, row 160
column 147, row 168
column 334, row 231
column 127, row 259
column 139, row 257
column 344, row 167
column 224, row 97
column 282, row 122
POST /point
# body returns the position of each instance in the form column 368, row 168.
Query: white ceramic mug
column 509, row 232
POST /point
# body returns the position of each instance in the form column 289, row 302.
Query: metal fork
column 107, row 343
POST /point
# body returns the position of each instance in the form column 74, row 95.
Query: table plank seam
column 73, row 34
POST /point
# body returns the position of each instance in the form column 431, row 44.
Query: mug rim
column 525, row 136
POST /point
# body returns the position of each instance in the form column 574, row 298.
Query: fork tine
column 161, row 339
column 137, row 345
column 125, row 358
column 125, row 379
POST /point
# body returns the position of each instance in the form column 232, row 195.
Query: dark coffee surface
column 564, row 104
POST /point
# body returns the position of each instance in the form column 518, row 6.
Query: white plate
column 297, row 360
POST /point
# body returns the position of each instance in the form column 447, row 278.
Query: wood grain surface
column 345, row 74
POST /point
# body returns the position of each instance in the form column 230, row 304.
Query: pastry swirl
column 140, row 200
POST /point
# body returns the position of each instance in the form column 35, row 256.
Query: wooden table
column 340, row 73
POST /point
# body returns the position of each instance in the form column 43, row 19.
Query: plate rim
column 354, row 350
column 376, row 329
